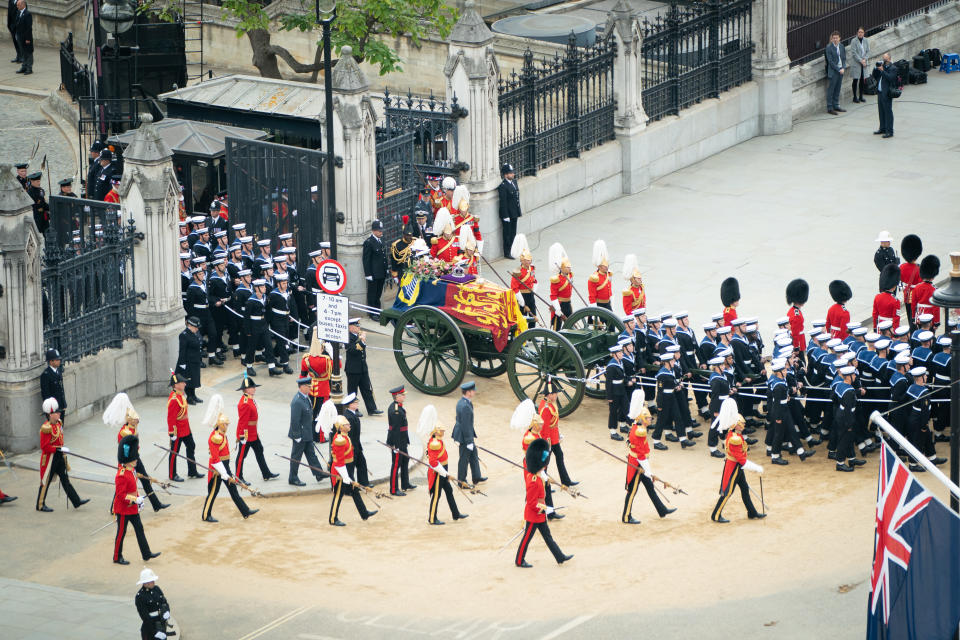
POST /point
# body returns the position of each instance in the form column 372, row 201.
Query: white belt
column 279, row 312
column 833, row 328
column 256, row 317
column 199, row 306
column 883, row 319
column 154, row 613
column 689, row 353
column 916, row 408
column 666, row 390
column 723, row 397
column 785, row 401
column 616, row 382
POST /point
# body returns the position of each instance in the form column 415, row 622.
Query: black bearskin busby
column 911, row 247
column 929, row 267
column 889, row 277
column 729, row 291
column 798, row 291
column 538, row 455
column 840, row 291
column 128, row 450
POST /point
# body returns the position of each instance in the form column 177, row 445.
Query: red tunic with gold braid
column 536, row 493
column 550, row 431
column 177, row 422
column 443, row 249
column 729, row 315
column 51, row 439
column 125, row 487
column 639, row 449
column 466, row 218
column 219, row 450
column 471, row 264
column 435, row 199
column 112, row 196
column 599, row 287
column 436, row 455
column 634, row 298
column 247, row 417
column 126, row 430
column 561, row 288
column 319, row 369
column 523, row 280
column 922, row 301
column 341, row 452
column 736, row 448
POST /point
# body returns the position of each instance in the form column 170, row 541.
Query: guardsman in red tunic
column 910, row 249
column 462, row 216
column 837, row 316
column 525, row 417
column 438, row 478
column 634, row 296
column 433, row 193
column 561, row 286
column 178, row 428
column 126, row 500
column 443, row 246
column 318, row 365
column 885, row 304
column 52, row 460
column 523, row 281
column 599, row 285
column 923, row 292
column 730, row 298
column 550, row 414
column 535, row 510
column 638, row 467
column 470, row 258
column 341, row 455
column 733, row 467
column 120, row 411
column 218, row 467
column 248, row 418
column 798, row 292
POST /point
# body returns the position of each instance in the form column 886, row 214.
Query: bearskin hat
column 929, row 267
column 128, row 449
column 889, row 277
column 729, row 291
column 798, row 291
column 538, row 455
column 911, row 247
column 840, row 291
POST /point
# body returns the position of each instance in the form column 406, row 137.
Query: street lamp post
column 328, row 9
column 948, row 297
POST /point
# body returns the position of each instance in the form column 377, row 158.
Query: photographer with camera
column 885, row 74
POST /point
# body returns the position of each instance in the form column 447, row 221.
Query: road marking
column 576, row 622
column 276, row 623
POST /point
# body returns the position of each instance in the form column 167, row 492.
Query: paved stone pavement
column 23, row 127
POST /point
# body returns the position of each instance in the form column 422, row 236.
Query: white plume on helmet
column 520, row 249
column 116, row 412
column 523, row 415
column 327, row 416
column 442, row 220
column 467, row 239
column 50, row 405
column 727, row 416
column 428, row 421
column 460, row 193
column 631, row 268
column 214, row 409
column 636, row 404
column 600, row 255
column 556, row 256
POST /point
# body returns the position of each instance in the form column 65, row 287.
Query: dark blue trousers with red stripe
column 242, row 452
column 175, row 449
column 122, row 521
column 544, row 530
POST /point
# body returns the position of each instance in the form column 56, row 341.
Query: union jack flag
column 915, row 581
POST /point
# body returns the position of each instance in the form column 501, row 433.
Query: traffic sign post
column 333, row 315
column 331, row 277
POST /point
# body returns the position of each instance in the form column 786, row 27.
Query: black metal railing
column 89, row 294
column 76, row 78
column 810, row 22
column 693, row 52
column 554, row 109
column 417, row 136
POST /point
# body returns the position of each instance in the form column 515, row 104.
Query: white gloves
column 470, row 447
column 160, row 635
column 297, row 439
column 166, row 615
column 173, row 437
column 139, row 500
column 543, row 473
column 556, row 305
column 439, row 469
column 749, row 465
column 370, row 278
column 561, row 436
column 548, row 510
column 222, row 470
column 344, row 475
column 521, row 301
column 645, row 465
column 241, row 441
column 316, row 426
column 479, row 246
column 505, row 219
column 64, row 450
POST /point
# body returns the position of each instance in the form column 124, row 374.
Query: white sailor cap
column 315, row 254
column 665, row 315
column 944, row 341
column 185, row 255
column 818, row 324
column 750, row 328
column 901, row 331
column 287, row 251
column 725, row 353
column 883, row 325
column 280, row 259
column 840, row 348
column 355, row 321
column 923, row 336
column 239, row 227
column 722, row 331
column 882, row 343
column 680, row 315
column 860, row 331
column 244, row 272
column 196, row 219
column 833, row 342
column 670, row 322
column 925, row 317
column 785, row 352
column 259, row 282
column 737, row 322
column 324, row 245
column 627, row 318
column 709, row 326
column 715, row 361
column 654, row 318
column 218, row 261
column 752, row 320
column 847, row 371
column 872, row 337
column 852, row 325
column 615, row 349
column 820, row 337
column 624, row 341
column 284, row 236
column 246, row 240
column 901, row 346
column 918, row 371
column 838, row 362
column 784, row 342
column 717, row 317
column 281, row 277
column 203, row 230
column 777, row 365
column 782, row 320
column 199, row 260
column 902, row 358
column 219, row 234
column 642, row 311
column 350, row 398
column 263, row 243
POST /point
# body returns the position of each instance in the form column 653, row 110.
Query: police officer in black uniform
column 257, row 330
column 374, row 266
column 508, row 193
column 189, row 358
column 51, row 382
column 41, row 210
column 102, row 184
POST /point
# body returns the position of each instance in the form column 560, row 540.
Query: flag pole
column 914, row 453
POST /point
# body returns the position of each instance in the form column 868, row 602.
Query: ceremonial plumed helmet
column 631, row 268
column 538, row 455
column 460, row 198
column 557, row 256
column 840, row 291
column 929, row 267
column 520, row 250
column 798, row 291
column 637, row 406
column 214, row 415
column 911, row 247
column 889, row 277
column 128, row 450
column 729, row 291
column 600, row 255
column 443, row 221
column 429, row 422
column 119, row 411
column 524, row 415
column 50, row 405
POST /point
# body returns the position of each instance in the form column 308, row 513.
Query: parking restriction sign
column 333, row 314
column 331, row 276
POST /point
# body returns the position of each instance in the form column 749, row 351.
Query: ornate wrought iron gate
column 89, row 294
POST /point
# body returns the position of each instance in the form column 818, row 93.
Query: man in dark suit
column 351, row 413
column 93, row 170
column 51, row 382
column 188, row 358
column 509, row 195
column 301, row 432
column 11, row 23
column 374, row 265
column 358, row 374
column 836, row 66
column 422, row 227
column 23, row 34
column 464, row 434
column 101, row 185
column 886, row 76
